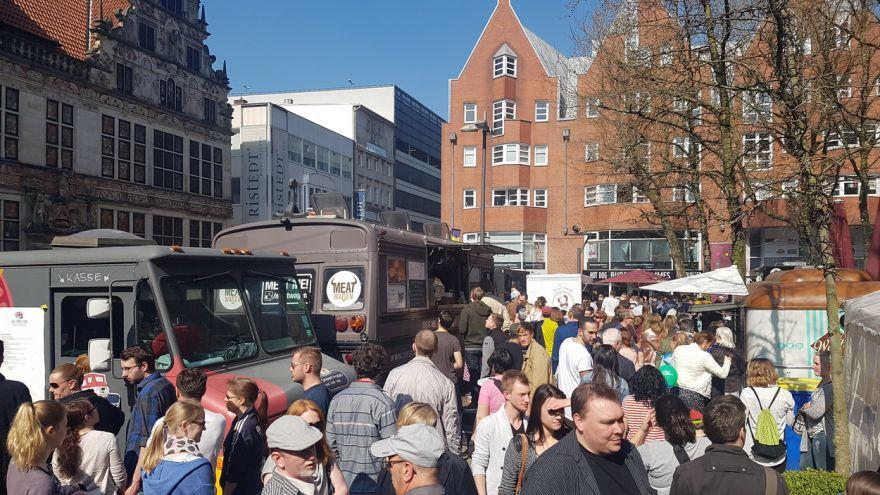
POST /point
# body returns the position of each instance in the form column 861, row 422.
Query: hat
column 545, row 311
column 671, row 312
column 292, row 433
column 419, row 444
column 724, row 337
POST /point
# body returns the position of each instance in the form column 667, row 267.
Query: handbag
column 522, row 463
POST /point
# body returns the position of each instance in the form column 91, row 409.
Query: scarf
column 181, row 445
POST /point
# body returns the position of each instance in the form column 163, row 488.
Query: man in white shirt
column 574, row 360
column 609, row 304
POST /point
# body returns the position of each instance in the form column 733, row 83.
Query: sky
column 418, row 45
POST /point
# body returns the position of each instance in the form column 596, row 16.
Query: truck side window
column 149, row 326
column 343, row 289
column 77, row 329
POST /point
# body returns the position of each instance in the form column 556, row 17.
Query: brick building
column 550, row 192
column 113, row 117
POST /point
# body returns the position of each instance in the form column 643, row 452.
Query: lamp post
column 566, row 135
column 453, row 139
column 481, row 126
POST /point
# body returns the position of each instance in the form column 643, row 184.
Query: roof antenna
column 350, row 83
column 246, row 87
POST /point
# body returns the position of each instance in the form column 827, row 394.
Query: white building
column 273, row 146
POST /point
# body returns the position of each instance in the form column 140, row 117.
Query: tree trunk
column 676, row 252
column 838, row 376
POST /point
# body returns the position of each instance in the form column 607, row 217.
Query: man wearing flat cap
column 292, row 448
column 411, row 458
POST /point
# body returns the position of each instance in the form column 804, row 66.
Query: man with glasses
column 291, row 444
column 305, row 369
column 65, row 385
column 411, row 457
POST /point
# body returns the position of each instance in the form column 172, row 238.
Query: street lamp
column 566, row 135
column 453, row 139
column 481, row 126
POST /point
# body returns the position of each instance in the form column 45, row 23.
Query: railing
column 42, row 55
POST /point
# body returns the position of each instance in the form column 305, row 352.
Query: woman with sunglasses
column 245, row 446
column 546, row 426
column 88, row 458
column 173, row 463
column 327, row 473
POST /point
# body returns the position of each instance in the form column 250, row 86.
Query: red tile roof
column 62, row 21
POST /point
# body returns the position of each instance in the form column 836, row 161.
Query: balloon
column 669, row 374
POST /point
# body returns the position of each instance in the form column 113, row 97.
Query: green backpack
column 768, row 446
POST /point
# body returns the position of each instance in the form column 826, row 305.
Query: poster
column 416, row 270
column 23, row 333
column 396, row 271
column 343, row 289
column 396, row 296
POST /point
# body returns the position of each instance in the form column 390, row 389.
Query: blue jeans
column 819, row 455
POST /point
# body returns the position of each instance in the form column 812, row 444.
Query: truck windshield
column 208, row 319
column 279, row 312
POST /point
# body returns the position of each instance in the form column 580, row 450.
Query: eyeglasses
column 389, row 464
column 232, row 397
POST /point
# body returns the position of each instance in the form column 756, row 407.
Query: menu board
column 23, row 333
column 417, row 293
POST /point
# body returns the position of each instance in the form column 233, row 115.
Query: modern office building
column 416, row 144
column 113, row 117
column 272, row 147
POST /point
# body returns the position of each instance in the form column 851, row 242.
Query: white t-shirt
column 609, row 304
column 573, row 359
column 212, row 438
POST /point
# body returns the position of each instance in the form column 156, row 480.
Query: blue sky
column 275, row 45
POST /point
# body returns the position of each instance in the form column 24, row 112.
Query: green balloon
column 669, row 374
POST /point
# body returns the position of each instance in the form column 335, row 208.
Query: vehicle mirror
column 98, row 309
column 100, row 354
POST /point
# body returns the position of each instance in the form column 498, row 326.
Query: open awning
column 473, row 248
column 633, row 277
column 721, row 281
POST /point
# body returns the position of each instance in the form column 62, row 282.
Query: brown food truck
column 369, row 282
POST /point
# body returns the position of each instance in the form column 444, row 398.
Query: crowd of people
column 619, row 394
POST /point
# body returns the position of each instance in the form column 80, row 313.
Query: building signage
column 253, row 181
column 360, row 211
column 343, row 289
column 374, row 148
column 599, row 275
column 279, row 171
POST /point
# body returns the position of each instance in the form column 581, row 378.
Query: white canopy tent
column 720, row 281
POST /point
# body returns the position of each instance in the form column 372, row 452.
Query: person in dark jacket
column 725, row 468
column 245, row 446
column 724, row 346
column 65, row 385
column 595, row 458
column 472, row 328
column 12, row 395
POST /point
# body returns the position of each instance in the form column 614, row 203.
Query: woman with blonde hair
column 88, row 458
column 761, row 393
column 670, row 326
column 453, row 471
column 37, row 430
column 173, row 464
column 695, row 369
column 311, row 413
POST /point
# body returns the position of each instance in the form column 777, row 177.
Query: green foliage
column 815, row 482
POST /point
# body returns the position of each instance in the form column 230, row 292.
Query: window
column 681, row 147
column 470, row 198
column 470, row 113
column 763, row 191
column 601, row 194
column 510, row 197
column 470, row 156
column 346, row 167
column 205, row 170
column 193, row 59
column 10, row 225
column 844, row 87
column 117, row 153
column 683, row 194
column 323, row 159
column 77, row 329
column 173, row 6
column 851, row 186
column 840, row 31
column 665, row 56
column 877, row 87
column 167, row 161
column 59, row 135
column 171, row 95
column 10, row 123
column 542, row 111
column 209, row 110
column 541, row 154
column 335, row 164
column 201, row 232
column 757, row 150
column 502, row 110
column 510, row 154
column 757, row 107
column 124, row 78
column 168, row 231
column 504, row 65
column 592, row 108
column 146, row 36
column 122, row 220
column 472, row 238
column 638, row 197
column 540, row 198
column 591, row 152
column 309, row 154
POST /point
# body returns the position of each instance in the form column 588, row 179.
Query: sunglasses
column 556, row 412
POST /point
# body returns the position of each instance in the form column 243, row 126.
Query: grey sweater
column 101, row 469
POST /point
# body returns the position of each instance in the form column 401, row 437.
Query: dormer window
column 505, row 65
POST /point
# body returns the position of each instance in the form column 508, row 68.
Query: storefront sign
column 343, row 289
column 360, row 210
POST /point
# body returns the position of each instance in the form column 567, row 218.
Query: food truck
column 231, row 312
column 370, row 282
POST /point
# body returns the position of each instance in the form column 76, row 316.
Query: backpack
column 768, row 446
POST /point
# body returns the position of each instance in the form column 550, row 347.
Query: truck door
column 73, row 330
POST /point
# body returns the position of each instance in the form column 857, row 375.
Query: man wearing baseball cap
column 411, row 457
column 292, row 448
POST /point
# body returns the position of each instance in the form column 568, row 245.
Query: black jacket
column 12, row 395
column 722, row 470
column 112, row 417
column 455, row 476
column 563, row 469
column 625, row 368
column 734, row 381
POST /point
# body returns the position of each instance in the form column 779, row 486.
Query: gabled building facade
column 113, row 117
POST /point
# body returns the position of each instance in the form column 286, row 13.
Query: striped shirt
column 634, row 413
column 359, row 416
